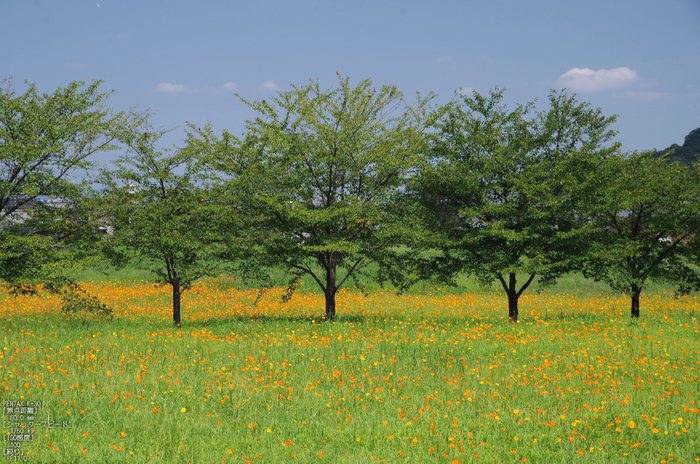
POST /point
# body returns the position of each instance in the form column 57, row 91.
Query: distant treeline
column 689, row 153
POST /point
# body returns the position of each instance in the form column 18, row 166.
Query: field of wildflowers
column 425, row 377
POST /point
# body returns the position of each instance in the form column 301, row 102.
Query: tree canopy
column 163, row 216
column 648, row 214
column 507, row 186
column 46, row 139
column 321, row 171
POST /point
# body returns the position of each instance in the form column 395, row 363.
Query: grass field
column 424, row 377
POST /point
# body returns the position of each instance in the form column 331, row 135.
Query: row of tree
column 326, row 182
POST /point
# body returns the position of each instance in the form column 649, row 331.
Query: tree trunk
column 330, row 304
column 330, row 292
column 636, row 291
column 513, row 293
column 513, row 306
column 176, row 303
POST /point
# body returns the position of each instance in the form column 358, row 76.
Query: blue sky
column 185, row 59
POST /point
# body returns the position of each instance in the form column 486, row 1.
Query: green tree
column 44, row 242
column 320, row 172
column 504, row 187
column 648, row 213
column 45, row 139
column 163, row 215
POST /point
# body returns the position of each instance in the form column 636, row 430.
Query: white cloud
column 179, row 88
column 229, row 86
column 588, row 80
column 465, row 90
column 171, row 88
column 269, row 86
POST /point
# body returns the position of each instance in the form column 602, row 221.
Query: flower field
column 425, row 377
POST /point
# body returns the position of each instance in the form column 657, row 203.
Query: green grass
column 573, row 283
column 420, row 378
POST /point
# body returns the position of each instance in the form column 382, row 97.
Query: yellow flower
column 631, row 424
column 183, row 410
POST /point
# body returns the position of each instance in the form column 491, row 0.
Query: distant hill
column 689, row 153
